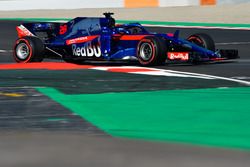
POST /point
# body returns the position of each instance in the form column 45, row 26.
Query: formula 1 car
column 89, row 38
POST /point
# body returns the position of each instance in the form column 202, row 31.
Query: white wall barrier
column 6, row 5
column 77, row 4
column 164, row 3
column 58, row 4
column 222, row 2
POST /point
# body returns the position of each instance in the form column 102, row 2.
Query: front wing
column 201, row 57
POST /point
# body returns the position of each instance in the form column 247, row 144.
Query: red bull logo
column 88, row 50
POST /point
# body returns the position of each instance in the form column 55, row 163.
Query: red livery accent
column 22, row 31
column 170, row 34
column 81, row 39
column 133, row 37
column 184, row 56
column 217, row 59
column 63, row 29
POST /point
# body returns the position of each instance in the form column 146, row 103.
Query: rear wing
column 22, row 31
column 42, row 29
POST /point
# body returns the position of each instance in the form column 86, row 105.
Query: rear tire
column 151, row 51
column 203, row 40
column 28, row 49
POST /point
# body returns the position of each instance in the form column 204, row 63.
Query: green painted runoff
column 210, row 117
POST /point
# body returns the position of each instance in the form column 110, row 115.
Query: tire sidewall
column 159, row 53
column 35, row 46
column 153, row 55
column 30, row 47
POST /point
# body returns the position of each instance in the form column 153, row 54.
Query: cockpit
column 130, row 29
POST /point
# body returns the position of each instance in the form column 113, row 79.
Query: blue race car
column 89, row 38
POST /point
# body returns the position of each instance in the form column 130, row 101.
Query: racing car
column 100, row 38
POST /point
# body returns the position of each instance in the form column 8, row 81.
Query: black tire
column 203, row 40
column 28, row 49
column 151, row 51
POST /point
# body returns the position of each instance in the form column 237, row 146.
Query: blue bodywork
column 100, row 39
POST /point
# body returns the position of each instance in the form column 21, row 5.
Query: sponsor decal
column 23, row 31
column 63, row 29
column 184, row 56
column 81, row 39
column 88, row 50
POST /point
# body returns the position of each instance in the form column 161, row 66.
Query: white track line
column 241, row 77
column 172, row 73
column 213, row 77
column 199, row 27
column 162, row 72
column 3, row 51
column 233, row 43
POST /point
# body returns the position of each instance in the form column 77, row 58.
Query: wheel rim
column 197, row 41
column 22, row 51
column 146, row 51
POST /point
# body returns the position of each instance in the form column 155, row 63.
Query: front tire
column 151, row 51
column 28, row 49
column 202, row 40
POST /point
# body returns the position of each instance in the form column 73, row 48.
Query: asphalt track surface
column 47, row 134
